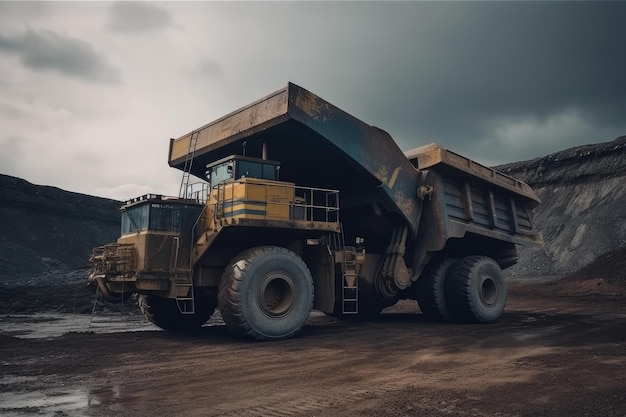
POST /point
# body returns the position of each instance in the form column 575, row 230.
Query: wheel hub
column 276, row 295
column 488, row 290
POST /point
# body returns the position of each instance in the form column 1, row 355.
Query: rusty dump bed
column 433, row 155
column 471, row 198
column 322, row 146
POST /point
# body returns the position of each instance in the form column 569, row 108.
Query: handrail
column 198, row 191
column 199, row 226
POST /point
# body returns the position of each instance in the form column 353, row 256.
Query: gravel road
column 550, row 355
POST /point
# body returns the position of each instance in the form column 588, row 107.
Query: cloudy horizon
column 90, row 93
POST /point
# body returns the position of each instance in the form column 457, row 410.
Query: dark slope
column 583, row 210
column 45, row 230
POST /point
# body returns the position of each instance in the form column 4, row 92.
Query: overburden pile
column 582, row 214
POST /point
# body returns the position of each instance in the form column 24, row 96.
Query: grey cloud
column 51, row 51
column 456, row 72
column 12, row 156
column 138, row 17
column 12, row 10
column 206, row 69
column 11, row 111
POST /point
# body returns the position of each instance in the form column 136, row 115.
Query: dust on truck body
column 304, row 206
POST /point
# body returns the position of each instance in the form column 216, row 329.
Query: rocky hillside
column 583, row 210
column 48, row 232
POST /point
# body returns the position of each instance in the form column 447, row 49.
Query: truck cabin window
column 164, row 217
column 151, row 216
column 135, row 219
column 221, row 172
column 256, row 170
column 235, row 169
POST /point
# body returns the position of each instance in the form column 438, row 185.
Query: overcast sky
column 90, row 93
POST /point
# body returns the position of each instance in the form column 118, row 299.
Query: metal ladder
column 184, row 183
column 186, row 304
column 349, row 276
column 350, row 284
column 182, row 279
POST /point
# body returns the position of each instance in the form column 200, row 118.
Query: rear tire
column 431, row 289
column 477, row 290
column 266, row 293
column 164, row 312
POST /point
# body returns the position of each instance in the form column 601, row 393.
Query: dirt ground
column 550, row 355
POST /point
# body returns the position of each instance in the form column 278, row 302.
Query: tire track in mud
column 281, row 405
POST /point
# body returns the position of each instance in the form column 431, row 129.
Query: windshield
column 135, row 219
column 162, row 217
column 256, row 170
column 165, row 217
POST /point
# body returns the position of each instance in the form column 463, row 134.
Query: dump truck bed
column 436, row 156
column 320, row 145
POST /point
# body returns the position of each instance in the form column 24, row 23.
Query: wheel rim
column 488, row 290
column 276, row 295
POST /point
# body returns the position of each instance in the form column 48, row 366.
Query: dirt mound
column 605, row 276
column 58, row 292
column 46, row 230
column 582, row 213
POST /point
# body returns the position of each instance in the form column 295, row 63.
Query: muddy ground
column 550, row 355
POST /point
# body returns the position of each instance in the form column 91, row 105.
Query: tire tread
column 230, row 292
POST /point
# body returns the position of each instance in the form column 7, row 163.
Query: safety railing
column 268, row 201
column 200, row 226
column 198, row 191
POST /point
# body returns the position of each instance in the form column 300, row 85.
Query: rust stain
column 404, row 203
column 382, row 174
column 318, row 109
column 394, row 177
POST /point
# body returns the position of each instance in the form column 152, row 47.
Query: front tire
column 266, row 293
column 477, row 290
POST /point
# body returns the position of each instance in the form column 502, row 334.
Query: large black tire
column 477, row 290
column 164, row 312
column 431, row 289
column 266, row 293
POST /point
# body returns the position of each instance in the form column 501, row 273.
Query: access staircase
column 350, row 268
column 182, row 279
column 191, row 152
column 350, row 283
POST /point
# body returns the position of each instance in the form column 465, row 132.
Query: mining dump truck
column 299, row 206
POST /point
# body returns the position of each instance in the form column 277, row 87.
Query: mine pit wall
column 46, row 231
column 583, row 206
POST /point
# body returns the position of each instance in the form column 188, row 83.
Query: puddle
column 539, row 333
column 71, row 402
column 33, row 396
column 50, row 325
column 49, row 395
